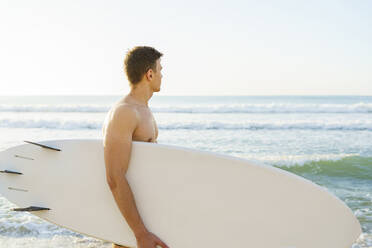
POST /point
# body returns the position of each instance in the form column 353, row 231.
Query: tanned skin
column 130, row 119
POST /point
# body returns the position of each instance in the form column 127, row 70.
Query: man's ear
column 149, row 75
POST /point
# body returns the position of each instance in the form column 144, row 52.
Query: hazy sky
column 210, row 47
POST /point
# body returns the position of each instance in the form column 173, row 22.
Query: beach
column 326, row 139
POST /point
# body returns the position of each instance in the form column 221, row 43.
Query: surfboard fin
column 19, row 156
column 11, row 172
column 43, row 146
column 30, row 209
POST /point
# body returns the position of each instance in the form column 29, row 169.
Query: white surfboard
column 188, row 198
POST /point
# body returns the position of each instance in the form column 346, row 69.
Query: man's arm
column 117, row 150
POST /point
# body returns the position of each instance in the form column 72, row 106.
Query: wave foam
column 211, row 125
column 202, row 108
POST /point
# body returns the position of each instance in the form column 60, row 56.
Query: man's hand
column 149, row 240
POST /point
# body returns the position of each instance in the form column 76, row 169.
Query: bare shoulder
column 121, row 120
column 124, row 112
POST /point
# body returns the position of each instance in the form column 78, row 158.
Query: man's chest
column 147, row 129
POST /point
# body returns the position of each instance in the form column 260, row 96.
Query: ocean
column 326, row 139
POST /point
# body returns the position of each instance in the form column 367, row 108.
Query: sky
column 210, row 47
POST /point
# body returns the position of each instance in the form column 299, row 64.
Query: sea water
column 326, row 139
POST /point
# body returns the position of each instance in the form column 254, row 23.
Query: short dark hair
column 138, row 61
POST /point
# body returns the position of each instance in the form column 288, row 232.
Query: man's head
column 142, row 63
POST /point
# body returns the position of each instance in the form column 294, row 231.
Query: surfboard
column 189, row 198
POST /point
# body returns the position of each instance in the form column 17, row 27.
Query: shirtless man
column 130, row 119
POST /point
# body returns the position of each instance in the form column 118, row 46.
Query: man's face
column 156, row 81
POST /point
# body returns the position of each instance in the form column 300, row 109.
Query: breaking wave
column 207, row 125
column 204, row 108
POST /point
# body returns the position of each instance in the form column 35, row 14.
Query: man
column 130, row 119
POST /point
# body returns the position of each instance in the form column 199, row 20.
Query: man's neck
column 140, row 94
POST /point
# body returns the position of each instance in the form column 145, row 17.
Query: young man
column 130, row 119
